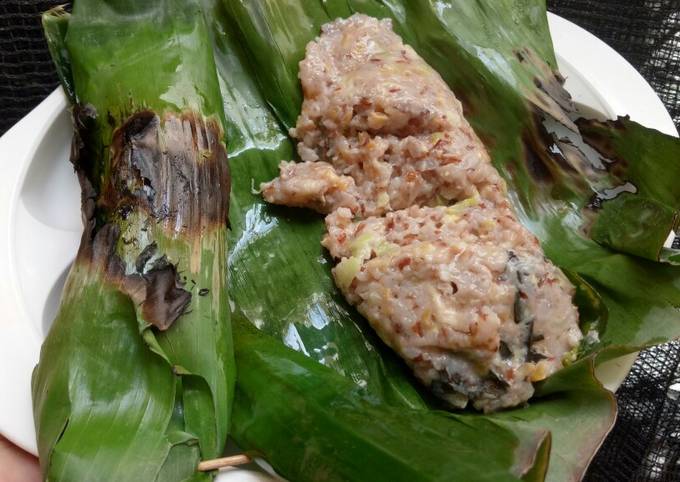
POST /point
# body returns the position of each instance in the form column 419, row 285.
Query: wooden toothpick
column 230, row 461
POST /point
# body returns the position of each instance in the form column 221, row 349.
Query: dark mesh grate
column 26, row 72
column 645, row 444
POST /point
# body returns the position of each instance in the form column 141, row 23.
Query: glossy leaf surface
column 326, row 430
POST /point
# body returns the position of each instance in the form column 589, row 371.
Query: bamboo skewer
column 224, row 462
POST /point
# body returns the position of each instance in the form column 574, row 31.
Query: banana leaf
column 497, row 57
column 640, row 219
column 327, row 430
column 135, row 379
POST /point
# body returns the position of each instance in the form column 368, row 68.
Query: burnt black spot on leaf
column 144, row 257
column 173, row 167
column 173, row 171
column 124, row 211
column 535, row 160
column 599, row 136
column 165, row 299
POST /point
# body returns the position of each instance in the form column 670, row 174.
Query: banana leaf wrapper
column 328, row 430
column 498, row 58
column 135, row 379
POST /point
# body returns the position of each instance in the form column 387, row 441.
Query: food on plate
column 135, row 380
column 428, row 247
column 136, row 374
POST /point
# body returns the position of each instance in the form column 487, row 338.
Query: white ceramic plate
column 40, row 213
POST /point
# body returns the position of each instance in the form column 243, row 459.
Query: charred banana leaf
column 136, row 375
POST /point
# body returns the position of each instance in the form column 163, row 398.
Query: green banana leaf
column 637, row 222
column 135, row 379
column 497, row 57
column 327, row 430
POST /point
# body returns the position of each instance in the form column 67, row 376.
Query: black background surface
column 645, row 443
